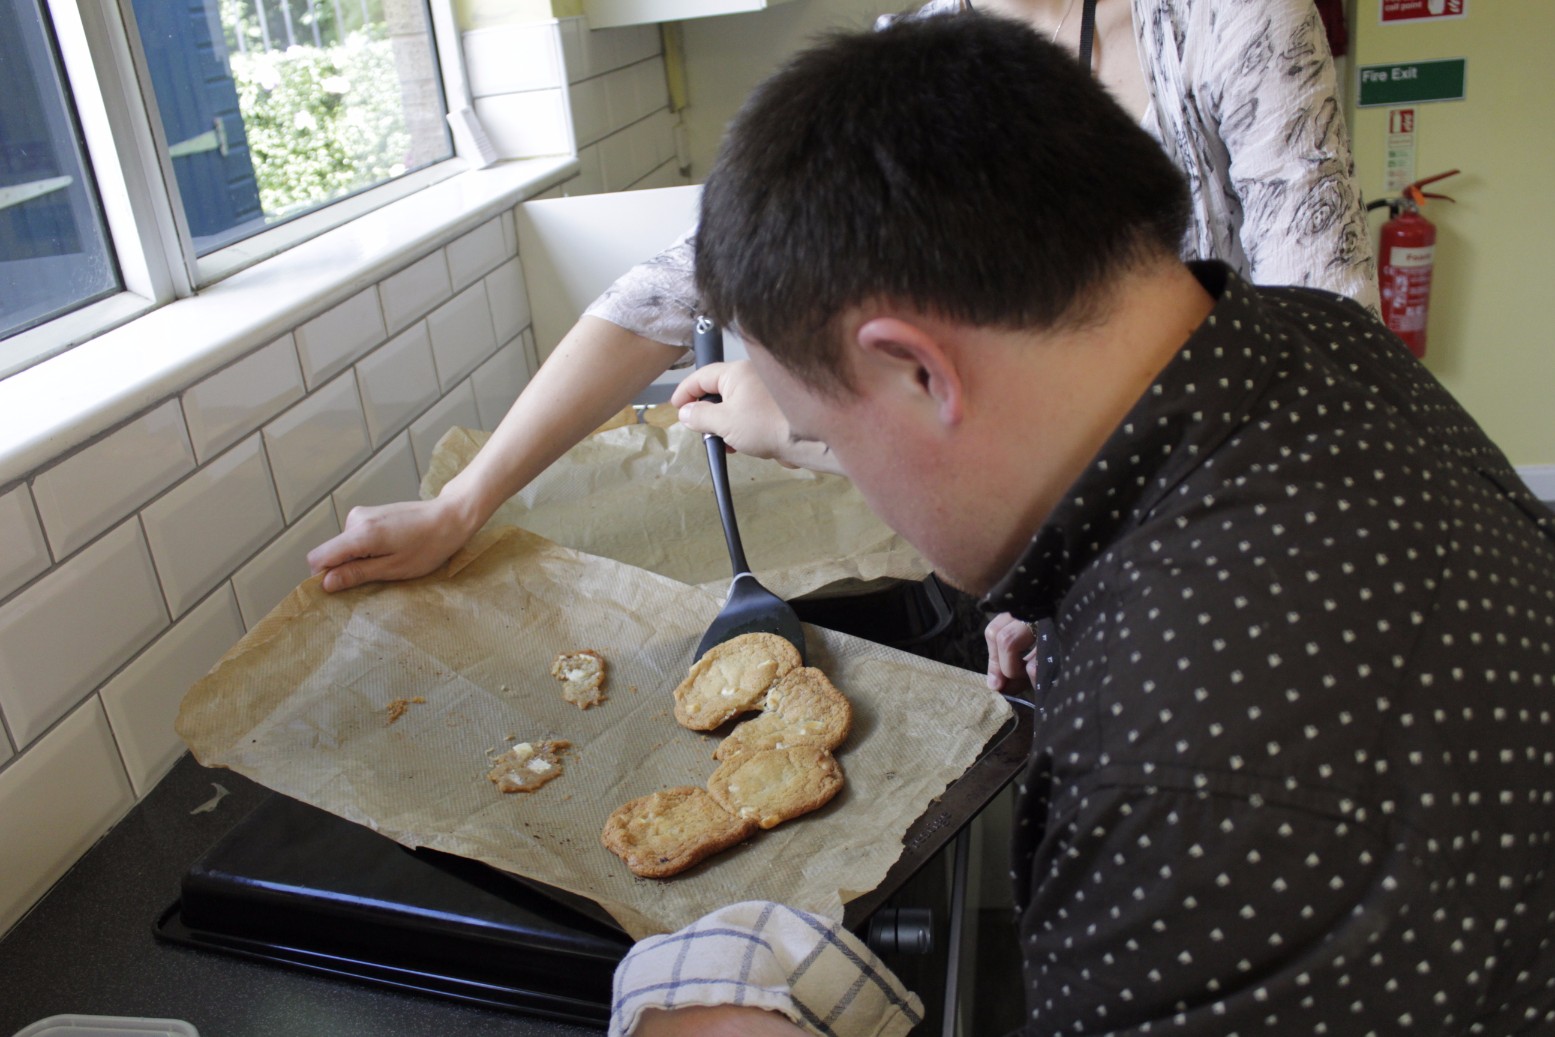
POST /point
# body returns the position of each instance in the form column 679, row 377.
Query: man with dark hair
column 1294, row 770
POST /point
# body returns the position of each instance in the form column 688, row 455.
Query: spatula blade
column 752, row 609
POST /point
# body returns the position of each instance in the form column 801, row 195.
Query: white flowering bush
column 321, row 121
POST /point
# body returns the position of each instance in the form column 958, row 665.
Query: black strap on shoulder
column 1087, row 31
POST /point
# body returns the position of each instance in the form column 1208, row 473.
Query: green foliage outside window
column 321, row 121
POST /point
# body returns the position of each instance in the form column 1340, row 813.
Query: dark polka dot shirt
column 1295, row 758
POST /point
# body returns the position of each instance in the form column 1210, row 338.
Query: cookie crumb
column 399, row 707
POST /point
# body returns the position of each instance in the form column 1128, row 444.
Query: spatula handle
column 707, row 343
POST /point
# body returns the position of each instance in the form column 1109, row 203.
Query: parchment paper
column 300, row 705
column 642, row 495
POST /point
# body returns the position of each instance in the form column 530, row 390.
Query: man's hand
column 747, row 420
column 391, row 542
column 1012, row 661
column 715, row 1021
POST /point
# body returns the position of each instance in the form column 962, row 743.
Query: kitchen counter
column 88, row 947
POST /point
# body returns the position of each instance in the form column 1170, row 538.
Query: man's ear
column 911, row 357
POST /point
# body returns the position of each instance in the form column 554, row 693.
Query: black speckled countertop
column 88, row 947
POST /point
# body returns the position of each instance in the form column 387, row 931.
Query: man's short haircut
column 963, row 166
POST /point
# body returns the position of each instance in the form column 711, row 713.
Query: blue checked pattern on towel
column 763, row 955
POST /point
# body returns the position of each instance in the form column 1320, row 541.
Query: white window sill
column 61, row 403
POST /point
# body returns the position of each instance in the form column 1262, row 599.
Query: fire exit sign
column 1412, row 82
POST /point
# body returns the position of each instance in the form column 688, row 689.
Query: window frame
column 127, row 151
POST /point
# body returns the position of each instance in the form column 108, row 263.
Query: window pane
column 53, row 247
column 273, row 108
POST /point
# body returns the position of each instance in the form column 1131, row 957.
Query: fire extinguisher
column 1405, row 258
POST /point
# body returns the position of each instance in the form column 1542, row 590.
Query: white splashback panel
column 572, row 249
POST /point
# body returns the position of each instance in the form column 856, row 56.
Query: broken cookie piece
column 732, row 678
column 582, row 674
column 664, row 833
column 771, row 786
column 527, row 766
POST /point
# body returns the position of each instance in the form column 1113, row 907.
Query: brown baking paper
column 302, row 705
column 642, row 495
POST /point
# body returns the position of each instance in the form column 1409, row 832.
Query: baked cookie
column 526, row 766
column 582, row 674
column 771, row 786
column 732, row 678
column 664, row 833
column 803, row 708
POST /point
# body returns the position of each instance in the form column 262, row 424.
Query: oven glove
column 810, row 970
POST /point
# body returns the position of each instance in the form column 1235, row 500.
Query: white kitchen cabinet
column 606, row 14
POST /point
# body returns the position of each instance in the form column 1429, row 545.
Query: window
column 258, row 123
column 53, row 246
column 273, row 108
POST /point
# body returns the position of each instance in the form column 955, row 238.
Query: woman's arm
column 597, row 369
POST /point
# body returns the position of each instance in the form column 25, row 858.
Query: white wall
column 728, row 55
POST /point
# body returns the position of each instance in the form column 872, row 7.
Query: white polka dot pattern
column 1295, row 767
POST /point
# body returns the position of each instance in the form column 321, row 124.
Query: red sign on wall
column 1422, row 10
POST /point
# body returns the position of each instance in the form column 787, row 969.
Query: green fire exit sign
column 1413, row 82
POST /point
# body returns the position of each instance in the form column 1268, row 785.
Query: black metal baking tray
column 296, row 885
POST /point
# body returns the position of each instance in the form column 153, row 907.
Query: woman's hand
column 1012, row 659
column 748, row 420
column 391, row 542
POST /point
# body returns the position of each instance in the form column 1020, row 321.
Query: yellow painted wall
column 1490, row 337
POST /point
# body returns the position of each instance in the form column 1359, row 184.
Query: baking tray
column 296, row 885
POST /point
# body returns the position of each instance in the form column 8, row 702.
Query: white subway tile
column 602, row 50
column 615, row 161
column 457, row 409
column 648, row 42
column 413, row 291
column 509, row 300
column 644, row 139
column 390, row 476
column 667, row 175
column 142, row 700
column 531, row 350
column 527, row 125
column 620, row 98
column 498, row 381
column 277, row 570
column 509, row 233
column 590, row 110
column 316, row 444
column 573, row 59
column 473, row 255
column 211, row 522
column 100, row 485
column 398, row 380
column 25, row 554
column 329, row 342
column 56, row 800
column 508, row 58
column 239, row 398
column 462, row 335
column 67, row 633
column 652, row 89
column 591, row 173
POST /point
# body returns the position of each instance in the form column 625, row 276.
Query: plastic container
column 107, row 1026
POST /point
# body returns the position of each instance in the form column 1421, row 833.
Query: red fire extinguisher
column 1405, row 258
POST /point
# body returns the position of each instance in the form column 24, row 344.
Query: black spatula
column 750, row 607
